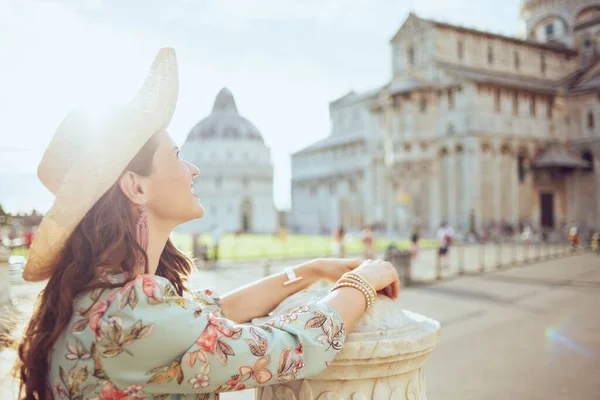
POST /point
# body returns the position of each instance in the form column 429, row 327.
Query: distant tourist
column 368, row 243
column 445, row 236
column 28, row 238
column 573, row 236
column 595, row 242
column 414, row 239
column 527, row 235
column 339, row 249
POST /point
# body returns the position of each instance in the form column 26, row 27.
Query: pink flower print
column 151, row 289
column 133, row 389
column 201, row 380
column 97, row 312
column 111, row 392
column 77, row 351
column 209, row 337
column 289, row 318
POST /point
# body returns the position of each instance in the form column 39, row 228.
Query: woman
column 116, row 319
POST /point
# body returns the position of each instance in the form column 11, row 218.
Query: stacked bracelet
column 356, row 281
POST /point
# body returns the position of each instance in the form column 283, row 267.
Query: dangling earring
column 141, row 233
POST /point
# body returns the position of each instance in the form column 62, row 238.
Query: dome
column 224, row 122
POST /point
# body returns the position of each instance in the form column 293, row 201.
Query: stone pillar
column 528, row 194
column 514, row 187
column 597, row 183
column 435, row 202
column 379, row 192
column 368, row 206
column 383, row 357
column 496, row 185
column 390, row 202
column 475, row 182
column 451, row 189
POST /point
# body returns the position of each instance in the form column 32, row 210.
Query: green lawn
column 255, row 246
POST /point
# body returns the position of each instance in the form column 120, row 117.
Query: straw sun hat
column 88, row 153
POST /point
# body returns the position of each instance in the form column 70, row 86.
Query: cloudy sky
column 284, row 60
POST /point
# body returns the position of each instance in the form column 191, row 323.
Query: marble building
column 473, row 128
column 236, row 185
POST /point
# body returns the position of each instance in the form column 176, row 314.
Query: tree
column 3, row 216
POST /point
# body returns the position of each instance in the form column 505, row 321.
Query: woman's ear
column 133, row 187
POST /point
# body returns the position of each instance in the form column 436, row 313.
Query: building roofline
column 555, row 47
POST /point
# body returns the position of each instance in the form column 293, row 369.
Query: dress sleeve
column 152, row 339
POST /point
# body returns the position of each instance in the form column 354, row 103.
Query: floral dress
column 143, row 341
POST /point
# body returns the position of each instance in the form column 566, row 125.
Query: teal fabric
column 143, row 341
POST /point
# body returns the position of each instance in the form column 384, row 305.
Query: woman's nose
column 193, row 169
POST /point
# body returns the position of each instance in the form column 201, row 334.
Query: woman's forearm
column 259, row 298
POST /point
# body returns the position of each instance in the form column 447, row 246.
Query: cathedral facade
column 235, row 185
column 474, row 128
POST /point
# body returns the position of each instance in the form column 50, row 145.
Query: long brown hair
column 105, row 228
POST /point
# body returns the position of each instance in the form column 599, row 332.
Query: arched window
column 460, row 49
column 411, row 56
column 497, row 100
column 589, row 157
column 451, row 129
column 543, row 63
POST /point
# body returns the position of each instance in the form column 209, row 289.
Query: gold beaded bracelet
column 362, row 289
column 358, row 282
column 352, row 277
column 360, row 278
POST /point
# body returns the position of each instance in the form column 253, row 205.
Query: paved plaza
column 524, row 332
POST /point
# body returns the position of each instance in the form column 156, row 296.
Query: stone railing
column 383, row 357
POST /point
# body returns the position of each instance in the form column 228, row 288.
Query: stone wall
column 500, row 55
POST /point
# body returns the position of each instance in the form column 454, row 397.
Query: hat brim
column 124, row 133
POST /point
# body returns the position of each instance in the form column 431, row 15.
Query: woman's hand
column 332, row 269
column 382, row 275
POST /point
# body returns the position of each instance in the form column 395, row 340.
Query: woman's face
column 170, row 188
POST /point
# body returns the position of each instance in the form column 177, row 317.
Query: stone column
column 435, row 202
column 529, row 193
column 368, row 206
column 597, row 182
column 496, row 185
column 475, row 182
column 514, row 187
column 451, row 189
column 379, row 191
column 383, row 357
